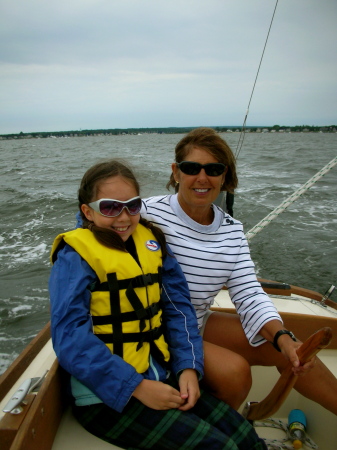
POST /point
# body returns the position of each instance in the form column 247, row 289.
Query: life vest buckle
column 153, row 310
column 147, row 279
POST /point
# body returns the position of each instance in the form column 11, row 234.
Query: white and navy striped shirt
column 212, row 256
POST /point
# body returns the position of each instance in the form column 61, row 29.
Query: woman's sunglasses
column 193, row 168
column 112, row 208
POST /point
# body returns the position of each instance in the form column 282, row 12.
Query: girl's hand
column 288, row 348
column 189, row 388
column 158, row 395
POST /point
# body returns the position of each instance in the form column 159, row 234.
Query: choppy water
column 39, row 182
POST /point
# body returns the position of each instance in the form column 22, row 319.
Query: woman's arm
column 252, row 304
column 259, row 317
column 79, row 351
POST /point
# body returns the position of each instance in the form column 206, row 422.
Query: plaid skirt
column 211, row 424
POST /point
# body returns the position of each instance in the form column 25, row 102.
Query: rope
column 280, row 444
column 242, row 134
column 277, row 211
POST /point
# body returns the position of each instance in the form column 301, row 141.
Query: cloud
column 128, row 63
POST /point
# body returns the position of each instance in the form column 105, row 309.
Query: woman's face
column 117, row 188
column 197, row 191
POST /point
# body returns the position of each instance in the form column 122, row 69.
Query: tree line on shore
column 169, row 130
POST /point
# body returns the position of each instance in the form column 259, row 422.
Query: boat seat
column 72, row 436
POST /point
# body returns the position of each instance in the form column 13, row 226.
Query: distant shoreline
column 168, row 130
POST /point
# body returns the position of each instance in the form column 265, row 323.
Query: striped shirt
column 213, row 256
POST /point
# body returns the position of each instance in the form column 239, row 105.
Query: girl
column 124, row 328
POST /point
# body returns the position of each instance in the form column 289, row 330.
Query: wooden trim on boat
column 276, row 288
column 40, row 419
column 313, row 295
column 303, row 325
column 21, row 363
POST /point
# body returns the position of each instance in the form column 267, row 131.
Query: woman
column 212, row 251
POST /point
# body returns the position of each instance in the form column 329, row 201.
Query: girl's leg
column 225, row 419
column 210, row 424
column 225, row 330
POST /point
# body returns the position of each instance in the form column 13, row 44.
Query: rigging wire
column 242, row 134
column 279, row 209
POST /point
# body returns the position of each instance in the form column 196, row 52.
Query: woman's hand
column 288, row 348
column 158, row 395
column 189, row 388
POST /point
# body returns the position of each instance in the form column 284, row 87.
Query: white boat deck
column 72, row 436
column 292, row 304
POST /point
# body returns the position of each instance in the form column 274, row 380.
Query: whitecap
column 19, row 311
column 37, row 251
column 21, row 308
column 33, row 223
column 26, row 254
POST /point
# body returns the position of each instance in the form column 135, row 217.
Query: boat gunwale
column 19, row 365
column 295, row 290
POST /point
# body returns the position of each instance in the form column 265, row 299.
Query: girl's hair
column 209, row 140
column 88, row 192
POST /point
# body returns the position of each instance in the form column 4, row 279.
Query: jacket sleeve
column 253, row 305
column 79, row 351
column 182, row 334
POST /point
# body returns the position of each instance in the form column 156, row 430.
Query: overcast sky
column 88, row 64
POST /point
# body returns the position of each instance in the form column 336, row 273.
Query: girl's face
column 117, row 188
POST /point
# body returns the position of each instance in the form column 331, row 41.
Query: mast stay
column 279, row 209
column 284, row 205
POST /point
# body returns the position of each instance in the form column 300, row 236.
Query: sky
column 98, row 64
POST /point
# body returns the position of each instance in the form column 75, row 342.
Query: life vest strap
column 139, row 281
column 145, row 336
column 145, row 313
column 115, row 312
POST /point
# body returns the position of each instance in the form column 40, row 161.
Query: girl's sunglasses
column 112, row 208
column 193, row 168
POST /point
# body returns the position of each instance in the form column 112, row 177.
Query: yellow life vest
column 125, row 303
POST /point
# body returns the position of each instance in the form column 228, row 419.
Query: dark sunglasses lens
column 193, row 168
column 190, row 168
column 109, row 208
column 214, row 170
column 134, row 207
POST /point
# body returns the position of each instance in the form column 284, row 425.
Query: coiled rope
column 281, row 444
column 277, row 211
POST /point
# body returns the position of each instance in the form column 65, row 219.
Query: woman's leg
column 225, row 330
column 227, row 374
column 210, row 424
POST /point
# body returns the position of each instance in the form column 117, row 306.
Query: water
column 39, row 182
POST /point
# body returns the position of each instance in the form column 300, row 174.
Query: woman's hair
column 88, row 191
column 209, row 140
